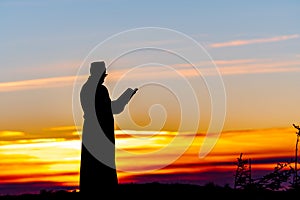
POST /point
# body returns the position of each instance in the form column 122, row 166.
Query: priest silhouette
column 98, row 173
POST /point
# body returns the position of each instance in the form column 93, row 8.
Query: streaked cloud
column 235, row 62
column 11, row 133
column 261, row 66
column 38, row 83
column 254, row 41
column 223, row 67
column 63, row 128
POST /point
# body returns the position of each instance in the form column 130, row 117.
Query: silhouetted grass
column 159, row 191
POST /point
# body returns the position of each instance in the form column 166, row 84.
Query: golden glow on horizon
column 58, row 160
column 255, row 144
column 40, row 160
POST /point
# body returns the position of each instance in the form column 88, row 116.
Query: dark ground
column 163, row 191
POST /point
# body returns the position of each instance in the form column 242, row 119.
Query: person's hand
column 134, row 91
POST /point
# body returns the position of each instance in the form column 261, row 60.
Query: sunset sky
column 245, row 69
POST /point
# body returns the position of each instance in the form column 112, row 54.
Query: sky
column 202, row 67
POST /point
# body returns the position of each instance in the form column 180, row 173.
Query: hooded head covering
column 98, row 68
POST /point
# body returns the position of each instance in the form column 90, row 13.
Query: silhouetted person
column 98, row 173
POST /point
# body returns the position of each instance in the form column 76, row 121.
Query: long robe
column 96, row 176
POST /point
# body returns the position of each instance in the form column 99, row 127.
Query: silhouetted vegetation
column 284, row 177
column 158, row 190
column 280, row 179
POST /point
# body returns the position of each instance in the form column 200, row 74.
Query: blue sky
column 35, row 32
column 42, row 39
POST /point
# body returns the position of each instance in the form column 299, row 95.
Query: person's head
column 98, row 69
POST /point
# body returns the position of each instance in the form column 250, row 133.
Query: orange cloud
column 235, row 62
column 63, row 128
column 38, row 83
column 260, row 66
column 254, row 41
column 180, row 70
column 224, row 67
